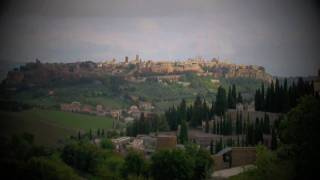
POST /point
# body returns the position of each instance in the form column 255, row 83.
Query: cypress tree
column 221, row 102
column 79, row 135
column 212, row 110
column 98, row 132
column 229, row 97
column 211, row 147
column 90, row 134
column 274, row 143
column 262, row 98
column 239, row 98
column 234, row 96
column 183, row 137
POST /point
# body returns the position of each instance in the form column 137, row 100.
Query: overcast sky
column 282, row 36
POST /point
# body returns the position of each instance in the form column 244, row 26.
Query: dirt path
column 226, row 173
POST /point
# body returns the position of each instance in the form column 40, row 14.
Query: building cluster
column 147, row 144
column 136, row 70
column 126, row 114
column 202, row 67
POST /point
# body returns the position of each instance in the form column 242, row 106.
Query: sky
column 281, row 35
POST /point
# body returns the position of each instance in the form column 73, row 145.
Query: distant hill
column 118, row 85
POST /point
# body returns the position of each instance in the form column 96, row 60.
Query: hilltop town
column 135, row 70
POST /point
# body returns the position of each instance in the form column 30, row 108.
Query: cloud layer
column 282, row 36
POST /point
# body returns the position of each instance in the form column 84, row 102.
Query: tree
column 229, row 97
column 280, row 97
column 107, row 144
column 221, row 102
column 102, row 133
column 234, row 96
column 203, row 163
column 134, row 164
column 257, row 99
column 212, row 110
column 163, row 124
column 90, row 134
column 182, row 110
column 219, row 146
column 79, row 135
column 299, row 132
column 197, row 114
column 171, row 116
column 274, row 143
column 171, row 165
column 46, row 168
column 183, row 136
column 211, row 147
column 239, row 98
column 83, row 156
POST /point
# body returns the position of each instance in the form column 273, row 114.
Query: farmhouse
column 73, row 107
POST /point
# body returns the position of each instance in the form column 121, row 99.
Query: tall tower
column 137, row 57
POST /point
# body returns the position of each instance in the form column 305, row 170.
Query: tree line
column 147, row 124
column 296, row 152
column 200, row 110
column 281, row 97
column 20, row 158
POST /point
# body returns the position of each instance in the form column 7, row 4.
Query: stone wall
column 166, row 141
column 238, row 156
column 243, row 156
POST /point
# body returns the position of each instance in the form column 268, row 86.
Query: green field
column 49, row 126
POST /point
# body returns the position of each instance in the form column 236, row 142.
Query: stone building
column 233, row 157
column 72, row 107
column 166, row 141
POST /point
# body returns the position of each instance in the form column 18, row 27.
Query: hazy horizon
column 280, row 36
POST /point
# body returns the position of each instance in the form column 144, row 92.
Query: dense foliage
column 296, row 154
column 145, row 125
column 200, row 111
column 192, row 163
column 281, row 97
column 83, row 159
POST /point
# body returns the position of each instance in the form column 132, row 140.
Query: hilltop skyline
column 280, row 36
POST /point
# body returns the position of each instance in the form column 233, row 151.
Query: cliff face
column 38, row 73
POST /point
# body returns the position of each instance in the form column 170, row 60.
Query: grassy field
column 49, row 126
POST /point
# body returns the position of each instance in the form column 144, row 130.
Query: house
column 115, row 113
column 202, row 138
column 149, row 143
column 134, row 111
column 87, row 109
column 120, row 143
column 147, row 106
column 166, row 141
column 137, row 144
column 128, row 119
column 100, row 110
column 73, row 107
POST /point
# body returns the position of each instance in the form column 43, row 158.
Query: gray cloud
column 280, row 35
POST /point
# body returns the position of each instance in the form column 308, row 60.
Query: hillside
column 118, row 85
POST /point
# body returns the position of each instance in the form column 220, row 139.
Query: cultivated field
column 49, row 126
